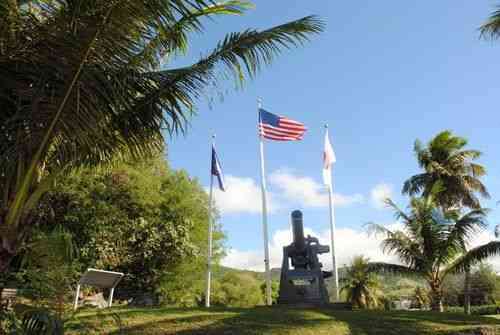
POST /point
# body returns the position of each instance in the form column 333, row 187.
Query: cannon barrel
column 298, row 230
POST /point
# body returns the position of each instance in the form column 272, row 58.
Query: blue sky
column 382, row 74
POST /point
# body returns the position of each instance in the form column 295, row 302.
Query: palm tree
column 433, row 243
column 449, row 172
column 87, row 82
column 361, row 285
column 450, row 177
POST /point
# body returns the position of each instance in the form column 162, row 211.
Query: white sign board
column 101, row 279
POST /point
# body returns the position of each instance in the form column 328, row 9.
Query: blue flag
column 217, row 169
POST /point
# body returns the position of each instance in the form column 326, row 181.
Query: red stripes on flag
column 287, row 130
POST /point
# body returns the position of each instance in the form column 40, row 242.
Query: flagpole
column 209, row 251
column 264, row 215
column 332, row 236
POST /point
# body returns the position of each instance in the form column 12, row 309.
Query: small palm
column 361, row 284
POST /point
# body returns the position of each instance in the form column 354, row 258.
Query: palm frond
column 399, row 214
column 41, row 321
column 374, row 228
column 491, row 29
column 398, row 243
column 475, row 256
column 172, row 39
column 421, row 153
column 176, row 89
column 475, row 184
column 477, row 170
column 415, row 184
column 460, row 233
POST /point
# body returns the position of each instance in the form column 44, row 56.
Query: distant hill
column 391, row 285
column 275, row 272
column 222, row 270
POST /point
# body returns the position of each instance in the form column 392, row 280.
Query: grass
column 276, row 320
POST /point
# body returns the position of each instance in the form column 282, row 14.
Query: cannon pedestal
column 302, row 279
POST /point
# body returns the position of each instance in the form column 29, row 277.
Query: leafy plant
column 360, row 284
column 49, row 271
column 236, row 290
column 275, row 290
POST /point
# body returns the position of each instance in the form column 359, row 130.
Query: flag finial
column 259, row 102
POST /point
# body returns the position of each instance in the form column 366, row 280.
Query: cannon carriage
column 302, row 278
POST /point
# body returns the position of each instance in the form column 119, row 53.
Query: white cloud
column 242, row 195
column 350, row 242
column 308, row 192
column 379, row 194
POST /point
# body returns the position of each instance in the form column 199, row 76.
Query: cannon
column 302, row 278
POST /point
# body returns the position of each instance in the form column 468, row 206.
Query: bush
column 476, row 310
column 237, row 290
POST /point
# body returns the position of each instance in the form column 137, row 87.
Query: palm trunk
column 6, row 256
column 467, row 292
column 10, row 242
column 436, row 297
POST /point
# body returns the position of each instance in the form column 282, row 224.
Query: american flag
column 279, row 128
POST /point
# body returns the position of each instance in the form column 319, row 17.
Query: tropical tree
column 433, row 243
column 361, row 284
column 86, row 82
column 450, row 175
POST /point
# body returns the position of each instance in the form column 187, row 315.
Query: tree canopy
column 142, row 219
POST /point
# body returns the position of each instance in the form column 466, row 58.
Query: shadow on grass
column 282, row 320
column 409, row 322
column 92, row 320
column 254, row 321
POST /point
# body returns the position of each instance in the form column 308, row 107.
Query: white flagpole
column 264, row 215
column 209, row 251
column 335, row 274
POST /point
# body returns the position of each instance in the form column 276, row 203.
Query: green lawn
column 278, row 320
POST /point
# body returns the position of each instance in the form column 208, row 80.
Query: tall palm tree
column 433, row 243
column 360, row 284
column 450, row 177
column 450, row 174
column 85, row 82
